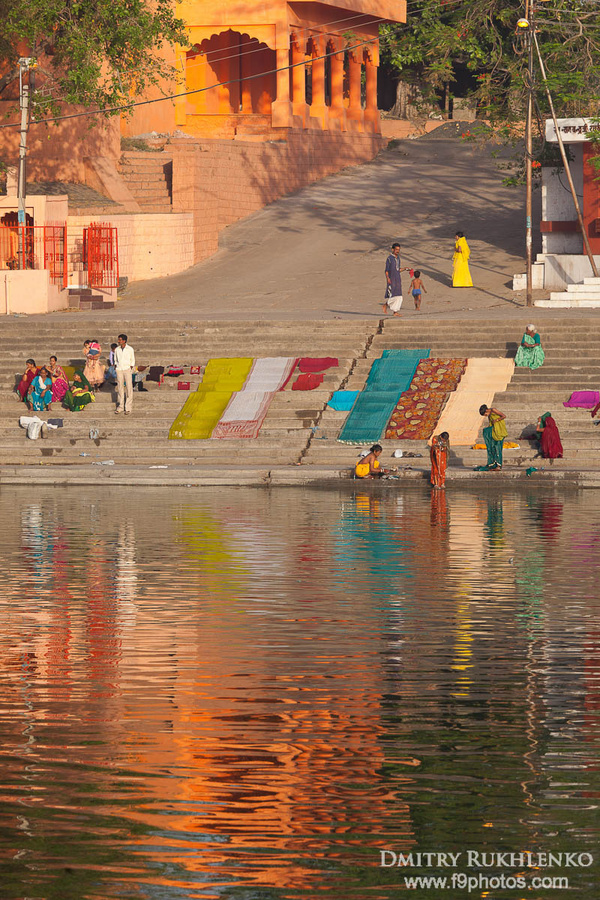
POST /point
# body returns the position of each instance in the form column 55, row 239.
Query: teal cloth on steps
column 389, row 377
column 343, row 401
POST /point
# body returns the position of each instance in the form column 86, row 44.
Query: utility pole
column 25, row 64
column 527, row 25
column 528, row 155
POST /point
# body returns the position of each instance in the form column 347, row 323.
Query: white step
column 584, row 288
column 566, row 300
column 591, row 280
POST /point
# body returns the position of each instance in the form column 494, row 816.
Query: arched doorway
column 233, row 74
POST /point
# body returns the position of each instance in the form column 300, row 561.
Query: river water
column 251, row 694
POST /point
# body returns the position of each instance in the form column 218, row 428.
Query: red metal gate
column 101, row 252
column 35, row 247
column 55, row 253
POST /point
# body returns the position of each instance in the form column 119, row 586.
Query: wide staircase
column 141, row 439
column 572, row 363
column 149, row 178
column 299, row 430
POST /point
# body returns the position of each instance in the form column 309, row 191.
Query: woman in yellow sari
column 461, row 276
column 368, row 466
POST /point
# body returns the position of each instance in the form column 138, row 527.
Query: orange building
column 264, row 66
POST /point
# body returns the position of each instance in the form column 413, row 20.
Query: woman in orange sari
column 439, row 458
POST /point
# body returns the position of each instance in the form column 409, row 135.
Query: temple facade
column 254, row 69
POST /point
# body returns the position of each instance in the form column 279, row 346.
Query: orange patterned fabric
column 418, row 409
column 438, row 374
column 416, row 415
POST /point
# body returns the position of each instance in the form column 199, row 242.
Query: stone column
column 354, row 113
column 299, row 104
column 224, row 74
column 337, row 110
column 318, row 109
column 234, row 42
column 184, row 83
column 281, row 108
column 246, row 48
column 371, row 113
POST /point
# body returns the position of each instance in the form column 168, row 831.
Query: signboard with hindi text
column 571, row 130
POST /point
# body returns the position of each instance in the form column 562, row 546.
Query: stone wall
column 57, row 152
column 222, row 181
column 151, row 245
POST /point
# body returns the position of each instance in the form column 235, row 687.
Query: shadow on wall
column 221, row 181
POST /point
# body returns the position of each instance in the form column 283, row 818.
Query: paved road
column 320, row 253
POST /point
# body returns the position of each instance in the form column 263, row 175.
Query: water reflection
column 248, row 693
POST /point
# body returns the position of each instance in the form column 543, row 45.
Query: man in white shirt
column 124, row 365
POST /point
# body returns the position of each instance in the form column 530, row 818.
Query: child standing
column 417, row 288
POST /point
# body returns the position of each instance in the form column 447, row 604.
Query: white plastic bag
column 33, row 429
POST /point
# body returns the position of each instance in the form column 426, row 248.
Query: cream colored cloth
column 482, row 380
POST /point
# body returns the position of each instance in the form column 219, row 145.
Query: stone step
column 564, row 300
column 583, row 289
column 141, row 452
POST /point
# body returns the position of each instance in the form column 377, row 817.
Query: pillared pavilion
column 255, row 68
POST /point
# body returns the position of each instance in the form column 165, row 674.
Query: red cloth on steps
column 307, row 382
column 313, row 364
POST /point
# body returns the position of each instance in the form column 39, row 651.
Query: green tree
column 95, row 53
column 480, row 37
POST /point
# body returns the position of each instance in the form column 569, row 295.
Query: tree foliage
column 97, row 53
column 480, row 37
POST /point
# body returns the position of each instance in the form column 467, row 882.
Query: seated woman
column 530, row 353
column 94, row 370
column 60, row 382
column 26, row 379
column 549, row 437
column 79, row 394
column 369, row 466
column 40, row 390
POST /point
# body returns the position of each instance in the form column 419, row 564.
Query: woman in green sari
column 530, row 353
column 79, row 394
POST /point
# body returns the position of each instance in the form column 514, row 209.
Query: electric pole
column 527, row 25
column 528, row 155
column 25, row 64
